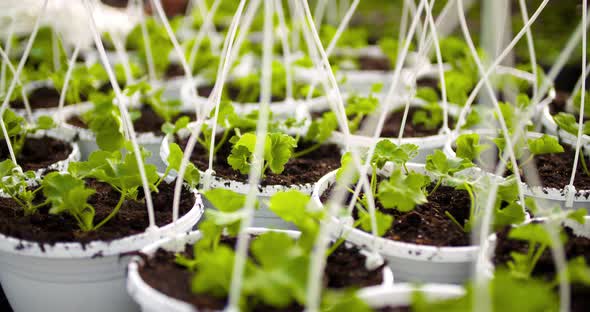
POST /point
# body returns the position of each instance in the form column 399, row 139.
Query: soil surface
column 576, row 246
column 555, row 169
column 374, row 63
column 393, row 124
column 149, row 121
column 427, row 224
column 132, row 218
column 345, row 268
column 233, row 91
column 174, row 70
column 38, row 153
column 40, row 98
column 396, row 309
column 306, row 169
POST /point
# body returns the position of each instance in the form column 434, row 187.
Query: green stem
column 472, row 204
column 535, row 259
column 113, row 213
column 163, row 176
column 221, row 142
column 448, row 214
column 527, row 160
column 340, row 241
column 307, row 150
column 438, row 183
column 374, row 181
column 584, row 165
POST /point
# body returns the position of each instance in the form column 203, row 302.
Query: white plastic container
column 69, row 277
column 409, row 262
column 548, row 195
column 263, row 217
column 151, row 300
column 400, row 295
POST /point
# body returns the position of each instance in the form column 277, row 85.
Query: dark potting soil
column 555, row 169
column 576, row 246
column 393, row 124
column 38, row 153
column 374, row 63
column 395, row 309
column 233, row 92
column 174, row 70
column 116, row 3
column 149, row 121
column 427, row 224
column 40, row 98
column 306, row 169
column 345, row 268
column 131, row 219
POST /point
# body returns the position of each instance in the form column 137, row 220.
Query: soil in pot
column 174, row 70
column 306, row 169
column 132, row 218
column 233, row 93
column 148, row 121
column 393, row 124
column 576, row 246
column 38, row 153
column 44, row 97
column 427, row 224
column 395, row 309
column 559, row 104
column 345, row 268
column 367, row 62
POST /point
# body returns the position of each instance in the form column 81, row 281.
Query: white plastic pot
column 70, row 277
column 50, row 111
column 263, row 217
column 548, row 195
column 151, row 300
column 409, row 262
column 400, row 295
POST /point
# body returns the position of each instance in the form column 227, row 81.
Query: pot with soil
column 43, row 99
column 299, row 161
column 561, row 117
column 70, row 241
column 400, row 297
column 553, row 161
column 423, row 231
column 537, row 262
column 158, row 282
column 151, row 114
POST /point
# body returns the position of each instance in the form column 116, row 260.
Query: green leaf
column 430, row 116
column 45, row 123
column 108, row 131
column 214, row 272
column 181, row 123
column 280, row 151
column 192, row 176
column 578, row 271
column 578, row 215
column 343, row 301
column 568, row 123
column 239, row 159
column 386, row 151
column 532, row 233
column 225, row 200
column 346, row 163
column 403, row 192
column 68, row 194
column 441, row 166
column 321, row 129
column 513, row 213
column 293, row 207
column 384, row 221
column 544, row 145
column 468, row 146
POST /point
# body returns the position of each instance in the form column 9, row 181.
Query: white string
column 146, row 42
column 127, row 123
column 64, row 89
column 319, row 12
column 257, row 162
column 570, row 100
column 122, row 54
column 531, row 46
column 12, row 85
column 23, row 92
column 286, row 50
column 8, row 45
column 206, row 29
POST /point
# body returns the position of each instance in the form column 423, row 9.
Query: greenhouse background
column 294, row 155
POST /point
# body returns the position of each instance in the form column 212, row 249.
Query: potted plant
column 65, row 237
column 414, row 205
column 193, row 257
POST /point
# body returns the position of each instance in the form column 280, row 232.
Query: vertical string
column 64, row 89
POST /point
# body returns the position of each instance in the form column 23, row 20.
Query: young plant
column 160, row 45
column 278, row 149
column 17, row 129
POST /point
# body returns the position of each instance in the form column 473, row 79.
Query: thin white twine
column 23, row 92
column 15, row 79
column 570, row 100
column 403, row 28
column 284, row 34
column 571, row 188
column 8, row 45
column 122, row 54
column 127, row 123
column 319, row 12
column 55, row 50
column 206, row 29
column 64, row 89
column 257, row 162
column 146, row 42
column 531, row 46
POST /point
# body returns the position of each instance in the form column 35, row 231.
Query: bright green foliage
column 430, row 115
column 428, row 94
column 68, row 194
column 544, row 145
column 390, row 48
column 387, row 151
column 384, row 221
column 160, row 44
column 353, row 37
column 578, row 103
column 458, row 87
column 578, row 271
column 439, row 164
column 569, row 123
column 468, row 146
column 13, row 182
column 343, row 301
column 181, row 123
column 403, row 191
column 358, row 107
column 192, row 176
column 214, row 272
column 278, row 150
column 228, row 204
column 346, row 163
column 294, row 207
column 167, row 109
column 17, row 128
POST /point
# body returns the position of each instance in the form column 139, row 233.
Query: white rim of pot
column 553, row 129
column 37, row 84
column 392, row 248
column 101, row 248
column 401, row 294
column 546, row 193
column 236, row 186
column 146, row 295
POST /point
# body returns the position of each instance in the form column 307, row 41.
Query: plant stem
column 307, row 150
column 584, row 165
column 472, row 204
column 113, row 213
column 221, row 142
column 340, row 241
column 448, row 214
column 438, row 183
column 374, row 181
column 535, row 259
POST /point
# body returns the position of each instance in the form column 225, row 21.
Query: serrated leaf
column 544, row 145
column 403, row 192
column 468, row 146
